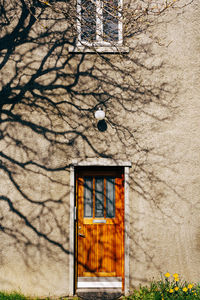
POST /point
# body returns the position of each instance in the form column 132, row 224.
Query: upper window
column 99, row 22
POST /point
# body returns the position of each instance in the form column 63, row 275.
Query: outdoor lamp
column 99, row 114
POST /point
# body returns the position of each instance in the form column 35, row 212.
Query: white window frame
column 99, row 26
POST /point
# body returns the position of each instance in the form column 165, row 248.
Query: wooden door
column 100, row 224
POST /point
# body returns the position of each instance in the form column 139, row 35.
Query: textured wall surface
column 165, row 223
column 153, row 122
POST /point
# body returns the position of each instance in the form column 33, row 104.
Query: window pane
column 110, row 197
column 99, row 197
column 88, row 197
column 110, row 20
column 88, row 20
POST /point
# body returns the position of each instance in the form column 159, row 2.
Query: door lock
column 82, row 235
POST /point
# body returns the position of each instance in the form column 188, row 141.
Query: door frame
column 107, row 163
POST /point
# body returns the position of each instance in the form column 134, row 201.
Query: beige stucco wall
column 165, row 225
column 164, row 178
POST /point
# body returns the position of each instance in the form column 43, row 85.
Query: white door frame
column 103, row 163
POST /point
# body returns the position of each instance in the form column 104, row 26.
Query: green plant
column 169, row 287
column 11, row 296
column 18, row 296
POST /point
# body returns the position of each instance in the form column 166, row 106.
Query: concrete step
column 95, row 294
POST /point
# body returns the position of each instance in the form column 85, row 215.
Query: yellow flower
column 176, row 288
column 185, row 289
column 167, row 275
column 190, row 286
column 171, row 291
column 176, row 279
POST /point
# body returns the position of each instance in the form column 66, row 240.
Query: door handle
column 82, row 235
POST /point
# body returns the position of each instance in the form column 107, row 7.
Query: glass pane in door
column 88, row 197
column 99, row 197
column 110, row 197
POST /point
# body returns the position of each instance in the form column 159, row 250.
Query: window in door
column 102, row 191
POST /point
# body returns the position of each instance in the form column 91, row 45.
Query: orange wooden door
column 100, row 224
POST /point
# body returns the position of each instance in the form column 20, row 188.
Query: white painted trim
column 79, row 20
column 102, row 162
column 98, row 49
column 108, row 163
column 96, row 284
column 120, row 23
column 126, row 230
column 99, row 21
column 71, row 233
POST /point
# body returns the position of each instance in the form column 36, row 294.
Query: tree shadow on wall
column 48, row 99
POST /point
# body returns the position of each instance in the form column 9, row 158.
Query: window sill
column 98, row 49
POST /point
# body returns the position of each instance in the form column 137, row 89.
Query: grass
column 168, row 288
column 12, row 296
column 19, row 296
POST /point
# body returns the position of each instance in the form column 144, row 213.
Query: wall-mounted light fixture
column 100, row 115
